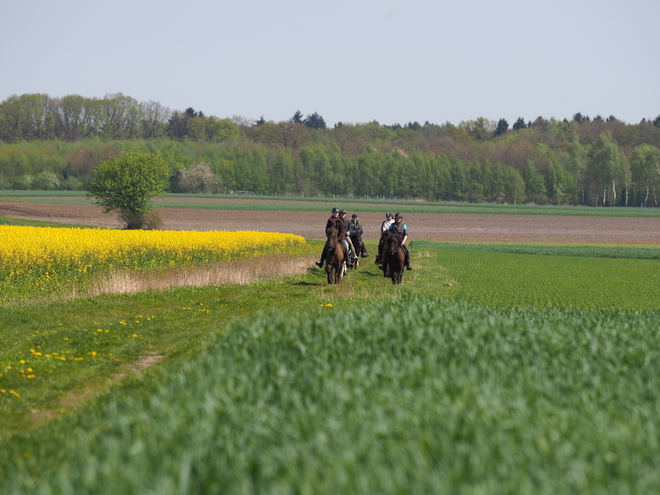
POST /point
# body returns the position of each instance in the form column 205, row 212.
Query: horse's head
column 332, row 237
column 392, row 245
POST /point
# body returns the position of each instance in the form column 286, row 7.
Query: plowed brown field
column 425, row 226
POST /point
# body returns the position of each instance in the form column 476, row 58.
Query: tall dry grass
column 240, row 271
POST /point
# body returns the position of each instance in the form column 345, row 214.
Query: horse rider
column 384, row 227
column 347, row 238
column 401, row 229
column 334, row 222
column 387, row 223
column 354, row 230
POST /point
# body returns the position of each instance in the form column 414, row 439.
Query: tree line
column 55, row 143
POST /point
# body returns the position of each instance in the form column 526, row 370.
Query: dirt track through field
column 422, row 226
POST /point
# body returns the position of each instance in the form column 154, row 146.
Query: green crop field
column 321, row 204
column 492, row 369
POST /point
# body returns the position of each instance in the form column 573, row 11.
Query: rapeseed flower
column 36, row 258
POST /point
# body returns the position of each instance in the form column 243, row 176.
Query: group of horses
column 391, row 260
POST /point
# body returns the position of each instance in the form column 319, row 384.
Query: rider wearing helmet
column 387, row 223
column 346, row 239
column 334, row 222
column 401, row 229
column 385, row 227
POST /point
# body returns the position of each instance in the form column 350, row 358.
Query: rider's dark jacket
column 345, row 231
column 401, row 229
column 338, row 224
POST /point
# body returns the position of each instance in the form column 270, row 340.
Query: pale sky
column 351, row 61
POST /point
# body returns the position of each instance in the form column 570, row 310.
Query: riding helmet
column 398, row 215
column 342, row 212
column 335, row 210
column 388, row 215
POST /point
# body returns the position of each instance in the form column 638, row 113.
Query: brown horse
column 393, row 259
column 381, row 246
column 335, row 259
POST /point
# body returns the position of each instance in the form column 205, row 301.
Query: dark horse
column 381, row 245
column 393, row 258
column 335, row 259
column 358, row 245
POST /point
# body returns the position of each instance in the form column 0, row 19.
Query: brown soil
column 424, row 226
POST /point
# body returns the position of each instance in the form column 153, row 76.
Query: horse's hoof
column 365, row 255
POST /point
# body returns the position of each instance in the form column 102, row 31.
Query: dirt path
column 425, row 226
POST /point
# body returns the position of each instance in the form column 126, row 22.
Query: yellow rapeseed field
column 36, row 256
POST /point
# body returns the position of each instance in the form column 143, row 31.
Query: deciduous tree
column 645, row 169
column 604, row 169
column 126, row 183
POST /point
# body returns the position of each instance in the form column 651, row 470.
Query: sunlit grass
column 410, row 395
